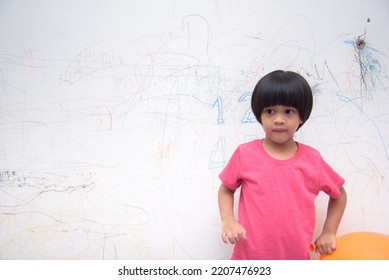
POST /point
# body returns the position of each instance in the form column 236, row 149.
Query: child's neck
column 281, row 151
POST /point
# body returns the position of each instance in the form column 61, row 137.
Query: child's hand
column 232, row 231
column 325, row 243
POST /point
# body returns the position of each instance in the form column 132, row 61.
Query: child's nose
column 279, row 119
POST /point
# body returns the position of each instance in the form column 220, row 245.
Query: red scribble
column 103, row 116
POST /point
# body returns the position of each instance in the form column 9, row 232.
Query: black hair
column 285, row 88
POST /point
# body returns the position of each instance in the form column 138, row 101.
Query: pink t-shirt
column 276, row 205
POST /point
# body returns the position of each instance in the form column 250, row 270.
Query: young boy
column 279, row 179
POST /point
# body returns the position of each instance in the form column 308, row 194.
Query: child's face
column 280, row 123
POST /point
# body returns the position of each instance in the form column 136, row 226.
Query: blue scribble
column 248, row 115
column 219, row 105
column 349, row 100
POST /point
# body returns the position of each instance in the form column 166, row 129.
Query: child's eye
column 268, row 111
column 289, row 111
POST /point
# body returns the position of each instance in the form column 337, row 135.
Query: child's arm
column 232, row 231
column 326, row 242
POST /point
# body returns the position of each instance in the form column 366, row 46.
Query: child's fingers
column 229, row 238
column 321, row 249
column 233, row 238
column 224, row 238
column 235, row 235
column 242, row 235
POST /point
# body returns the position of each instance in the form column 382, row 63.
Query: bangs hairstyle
column 282, row 88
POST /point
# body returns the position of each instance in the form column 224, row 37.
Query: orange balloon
column 360, row 246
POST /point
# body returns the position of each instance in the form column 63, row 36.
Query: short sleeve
column 330, row 181
column 230, row 174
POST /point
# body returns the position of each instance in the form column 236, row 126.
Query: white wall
column 116, row 117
